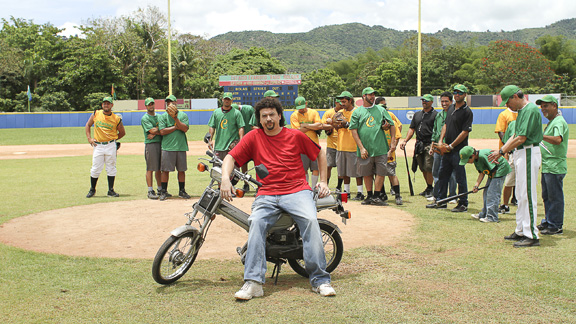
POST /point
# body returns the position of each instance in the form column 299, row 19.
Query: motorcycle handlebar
column 241, row 175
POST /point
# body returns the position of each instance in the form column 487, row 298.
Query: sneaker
column 112, row 193
column 91, row 193
column 250, row 290
column 513, row 201
column 399, row 200
column 183, row 194
column 460, row 209
column 514, row 237
column 428, row 192
column 152, row 195
column 367, row 201
column 376, row 201
column 163, row 195
column 423, row 193
column 527, row 242
column 359, row 196
column 246, row 188
column 392, row 192
column 476, row 216
column 432, row 199
column 383, row 196
column 324, row 290
column 487, row 220
column 551, row 231
column 542, row 226
column 453, row 202
column 436, row 206
column 503, row 209
column 167, row 194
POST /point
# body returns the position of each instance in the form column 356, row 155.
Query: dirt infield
column 136, row 229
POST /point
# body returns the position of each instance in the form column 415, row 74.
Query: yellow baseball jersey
column 311, row 116
column 504, row 119
column 346, row 142
column 398, row 135
column 105, row 127
column 332, row 140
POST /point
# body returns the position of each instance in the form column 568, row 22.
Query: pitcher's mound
column 136, row 229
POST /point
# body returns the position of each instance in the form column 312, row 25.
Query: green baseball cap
column 227, row 95
column 270, row 93
column 368, row 90
column 338, row 101
column 507, row 93
column 171, row 98
column 547, row 98
column 300, row 103
column 109, row 99
column 345, row 94
column 235, row 106
column 461, row 88
column 427, row 97
column 465, row 153
column 148, row 101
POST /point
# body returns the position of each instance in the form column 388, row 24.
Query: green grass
column 76, row 135
column 449, row 269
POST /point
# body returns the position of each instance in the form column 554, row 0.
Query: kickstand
column 276, row 272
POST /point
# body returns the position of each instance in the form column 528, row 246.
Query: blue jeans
column 436, row 171
column 266, row 210
column 451, row 164
column 492, row 196
column 553, row 196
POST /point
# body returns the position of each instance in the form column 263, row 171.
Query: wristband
column 501, row 152
column 450, row 146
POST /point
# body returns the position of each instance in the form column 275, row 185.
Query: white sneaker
column 249, row 290
column 324, row 290
column 477, row 216
column 453, row 201
column 432, row 199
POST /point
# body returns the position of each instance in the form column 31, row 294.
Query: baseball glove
column 385, row 125
column 441, row 148
column 172, row 110
column 340, row 121
column 233, row 144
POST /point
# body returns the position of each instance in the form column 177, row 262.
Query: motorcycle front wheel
column 333, row 249
column 175, row 257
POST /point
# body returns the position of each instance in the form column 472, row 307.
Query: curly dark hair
column 269, row 103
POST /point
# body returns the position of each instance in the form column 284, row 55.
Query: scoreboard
column 249, row 89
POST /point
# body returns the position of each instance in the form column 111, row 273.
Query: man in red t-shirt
column 284, row 190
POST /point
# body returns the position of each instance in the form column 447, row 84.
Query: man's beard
column 270, row 125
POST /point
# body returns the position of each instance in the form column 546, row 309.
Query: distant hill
column 304, row 52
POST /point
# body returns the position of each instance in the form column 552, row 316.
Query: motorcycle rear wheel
column 175, row 257
column 333, row 249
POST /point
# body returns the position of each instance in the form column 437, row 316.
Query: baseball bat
column 408, row 170
column 447, row 199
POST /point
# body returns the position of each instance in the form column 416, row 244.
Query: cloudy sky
column 211, row 18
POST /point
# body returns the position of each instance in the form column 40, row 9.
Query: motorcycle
column 283, row 242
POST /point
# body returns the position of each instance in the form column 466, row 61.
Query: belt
column 521, row 147
column 104, row 143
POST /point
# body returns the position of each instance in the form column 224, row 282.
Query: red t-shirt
column 281, row 156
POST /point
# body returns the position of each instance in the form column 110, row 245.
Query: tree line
column 130, row 53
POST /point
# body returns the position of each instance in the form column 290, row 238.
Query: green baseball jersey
column 509, row 131
column 368, row 122
column 148, row 122
column 438, row 124
column 529, row 124
column 554, row 156
column 247, row 114
column 226, row 125
column 493, row 170
column 175, row 141
column 253, row 121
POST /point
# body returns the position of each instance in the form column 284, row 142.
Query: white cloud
column 70, row 29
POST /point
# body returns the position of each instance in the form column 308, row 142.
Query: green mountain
column 304, row 52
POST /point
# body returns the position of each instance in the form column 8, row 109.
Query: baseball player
column 331, row 138
column 391, row 165
column 502, row 123
column 152, row 147
column 307, row 121
column 173, row 126
column 108, row 128
column 527, row 160
column 373, row 151
column 226, row 127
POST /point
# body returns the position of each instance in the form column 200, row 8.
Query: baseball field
column 68, row 259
